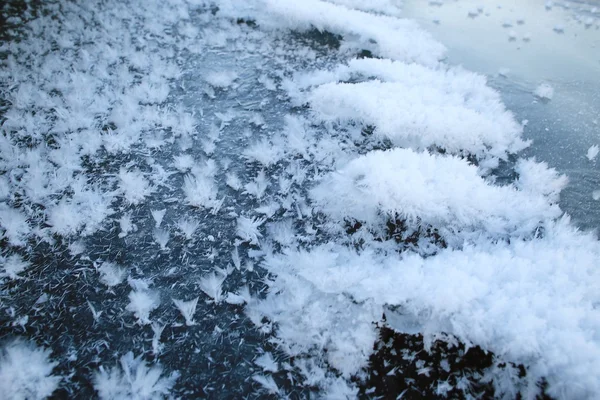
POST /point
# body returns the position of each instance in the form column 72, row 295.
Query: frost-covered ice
column 238, row 192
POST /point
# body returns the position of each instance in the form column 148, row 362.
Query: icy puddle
column 228, row 200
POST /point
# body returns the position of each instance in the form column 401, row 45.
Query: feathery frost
column 26, row 371
column 187, row 309
column 133, row 380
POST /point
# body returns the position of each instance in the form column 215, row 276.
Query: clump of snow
column 388, row 7
column 188, row 227
column 282, row 232
column 386, row 36
column 258, row 185
column 161, row 237
column 544, row 91
column 126, row 225
column 221, row 79
column 263, row 152
column 14, row 225
column 235, row 257
column 472, row 294
column 84, row 213
column 26, row 371
column 538, row 178
column 183, row 162
column 142, row 303
column 242, row 296
column 267, row 383
column 158, row 216
column 200, row 191
column 134, row 380
column 267, row 362
column 592, row 152
column 134, row 186
column 233, row 181
column 300, row 311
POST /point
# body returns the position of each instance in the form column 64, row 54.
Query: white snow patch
column 221, row 79
column 488, row 294
column 385, row 36
column 247, row 229
column 158, row 216
column 267, row 362
column 188, row 227
column 544, row 91
column 211, row 285
column 134, row 186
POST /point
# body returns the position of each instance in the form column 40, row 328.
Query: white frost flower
column 26, row 372
column 134, row 380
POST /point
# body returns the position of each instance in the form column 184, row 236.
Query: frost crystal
column 188, row 227
column 142, row 303
column 187, row 309
column 26, row 372
column 211, row 285
column 247, row 229
column 133, row 380
column 111, row 274
column 13, row 265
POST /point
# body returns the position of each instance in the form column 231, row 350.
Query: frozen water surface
column 296, row 200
